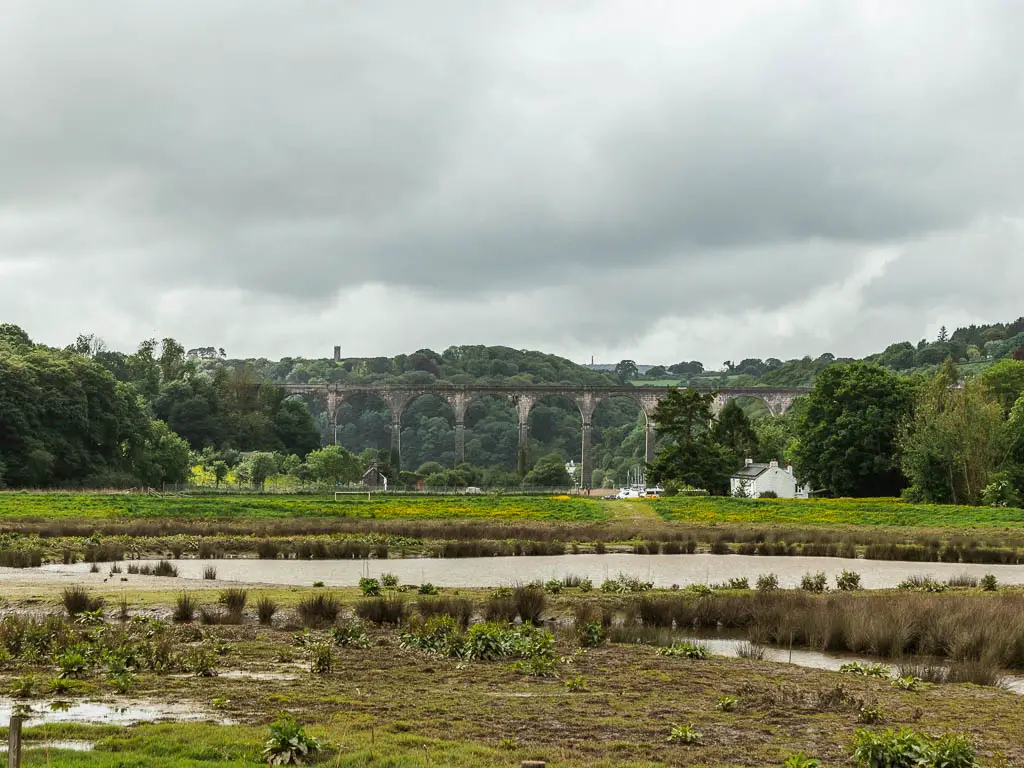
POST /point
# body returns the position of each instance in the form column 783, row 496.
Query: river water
column 663, row 570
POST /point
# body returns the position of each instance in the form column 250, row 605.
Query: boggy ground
column 387, row 705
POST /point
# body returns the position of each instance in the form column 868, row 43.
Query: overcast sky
column 652, row 180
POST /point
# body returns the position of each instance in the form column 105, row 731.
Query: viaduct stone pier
column 523, row 398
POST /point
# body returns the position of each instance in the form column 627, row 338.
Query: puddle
column 74, row 746
column 39, row 712
column 730, row 647
column 246, row 675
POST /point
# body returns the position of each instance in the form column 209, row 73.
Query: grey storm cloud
column 718, row 165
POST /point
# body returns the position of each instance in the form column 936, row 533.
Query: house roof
column 750, row 471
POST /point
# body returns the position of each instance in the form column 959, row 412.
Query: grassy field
column 58, row 506
column 832, row 512
column 705, row 510
column 387, row 705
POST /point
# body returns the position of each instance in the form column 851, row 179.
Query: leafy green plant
column 553, row 586
column 848, row 581
column 321, row 659
column 625, row 585
column 22, row 687
column 123, row 681
column 989, row 583
column 865, row 670
column 870, row 714
column 907, row 749
column 701, row 590
column 389, row 580
column 351, row 634
column 370, row 587
column 427, row 589
column 72, row 663
column 801, row 760
column 61, row 685
column 740, row 583
column 906, row 683
column 289, row 744
column 591, row 634
column 727, row 703
column 201, row 662
column 575, row 684
column 817, row 582
column 684, row 734
column 317, row 584
column 685, row 649
column 767, row 582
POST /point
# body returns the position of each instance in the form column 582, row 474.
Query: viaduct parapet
column 523, row 398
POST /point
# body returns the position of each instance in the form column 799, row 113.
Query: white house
column 754, row 479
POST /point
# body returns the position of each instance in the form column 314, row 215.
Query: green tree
column 625, row 370
column 1005, row 380
column 259, row 466
column 955, row 442
column 548, row 472
column 847, row 438
column 689, row 454
column 167, row 458
column 733, row 430
column 334, row 464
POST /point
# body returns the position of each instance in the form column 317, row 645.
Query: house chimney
column 774, row 464
column 789, row 468
column 747, row 462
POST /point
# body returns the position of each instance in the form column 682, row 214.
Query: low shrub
column 265, row 610
column 321, row 659
column 989, row 583
column 427, row 589
column 184, row 608
column 591, row 634
column 389, row 580
column 77, row 600
column 318, row 610
column 817, row 582
column 865, row 670
column 624, row 585
column 210, row 572
column 748, row 650
column 370, row 587
column 459, row 608
column 870, row 714
column 848, row 581
column 907, row 749
column 234, row 599
column 530, row 602
column 350, row 634
column 387, row 609
column 963, row 581
column 767, row 582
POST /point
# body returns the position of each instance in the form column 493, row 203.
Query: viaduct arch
column 523, row 398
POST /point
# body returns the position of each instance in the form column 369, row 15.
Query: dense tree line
column 866, row 431
column 87, row 416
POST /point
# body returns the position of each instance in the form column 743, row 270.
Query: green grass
column 58, row 506
column 833, row 512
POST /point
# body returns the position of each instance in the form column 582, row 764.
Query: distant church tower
column 337, row 353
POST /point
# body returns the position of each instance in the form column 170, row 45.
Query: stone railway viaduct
column 523, row 398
